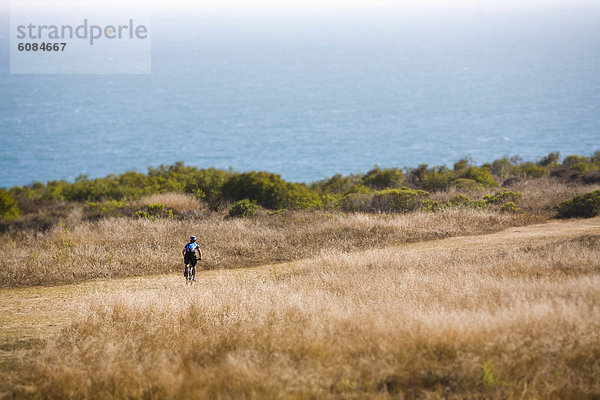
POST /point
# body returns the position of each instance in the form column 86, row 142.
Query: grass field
column 509, row 314
column 77, row 250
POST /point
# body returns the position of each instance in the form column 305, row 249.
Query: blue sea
column 308, row 96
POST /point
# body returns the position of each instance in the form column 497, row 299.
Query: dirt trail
column 530, row 234
column 30, row 314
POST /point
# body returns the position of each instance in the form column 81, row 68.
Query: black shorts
column 191, row 260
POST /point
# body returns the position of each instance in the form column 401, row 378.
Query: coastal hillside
column 463, row 282
column 512, row 314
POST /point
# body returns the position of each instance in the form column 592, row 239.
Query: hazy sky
column 328, row 11
column 294, row 5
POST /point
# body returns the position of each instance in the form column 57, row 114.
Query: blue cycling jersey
column 191, row 247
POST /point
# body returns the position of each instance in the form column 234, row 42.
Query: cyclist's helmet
column 193, row 238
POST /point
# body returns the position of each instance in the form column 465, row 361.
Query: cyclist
column 189, row 258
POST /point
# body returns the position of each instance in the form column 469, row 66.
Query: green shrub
column 154, row 211
column 21, row 193
column 356, row 202
column 299, row 196
column 502, row 168
column 582, row 167
column 358, row 188
column 436, row 178
column 109, row 207
column 278, row 212
column 515, row 167
column 378, row 178
column 331, row 202
column 130, row 185
column 199, row 194
column 459, row 200
column 479, row 205
column 467, row 185
column 481, row 175
column 398, row 200
column 9, row 208
column 530, row 170
column 441, row 178
column 431, row 205
column 549, row 161
column 53, row 191
column 337, row 184
column 461, row 165
column 571, row 160
column 489, row 377
column 267, row 189
column 143, row 214
column 270, row 191
column 582, row 164
column 243, row 208
column 583, row 205
column 503, row 196
column 510, row 207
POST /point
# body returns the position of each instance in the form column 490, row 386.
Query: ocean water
column 312, row 96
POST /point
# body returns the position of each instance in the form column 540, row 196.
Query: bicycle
column 190, row 260
column 190, row 274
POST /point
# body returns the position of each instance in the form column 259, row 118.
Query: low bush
column 514, row 167
column 243, row 208
column 331, row 202
column 398, row 200
column 436, row 178
column 462, row 200
column 467, row 185
column 502, row 167
column 442, row 178
column 583, row 164
column 337, row 184
column 581, row 206
column 432, row 205
column 379, row 179
column 503, row 196
column 270, row 191
column 186, row 190
column 551, row 160
column 481, row 175
column 459, row 200
column 9, row 208
column 530, row 170
column 130, row 185
column 110, row 207
column 479, row 205
column 356, row 202
column 572, row 160
column 155, row 211
column 510, row 207
column 299, row 196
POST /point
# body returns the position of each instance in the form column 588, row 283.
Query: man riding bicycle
column 190, row 260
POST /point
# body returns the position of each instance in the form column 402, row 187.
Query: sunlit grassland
column 510, row 315
column 77, row 250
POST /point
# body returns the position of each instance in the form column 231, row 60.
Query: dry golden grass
column 179, row 202
column 119, row 247
column 539, row 195
column 509, row 315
